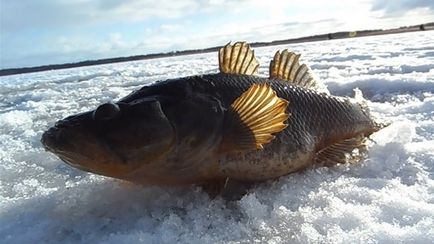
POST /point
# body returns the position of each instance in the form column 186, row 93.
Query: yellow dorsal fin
column 238, row 59
column 253, row 118
column 286, row 66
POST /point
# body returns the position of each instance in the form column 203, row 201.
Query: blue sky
column 39, row 32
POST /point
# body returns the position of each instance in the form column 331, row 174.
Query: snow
column 387, row 198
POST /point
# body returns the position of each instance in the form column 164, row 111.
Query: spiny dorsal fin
column 238, row 59
column 347, row 151
column 286, row 66
column 253, row 118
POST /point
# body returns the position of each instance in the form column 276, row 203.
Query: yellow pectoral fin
column 253, row 118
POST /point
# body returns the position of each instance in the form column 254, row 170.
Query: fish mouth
column 54, row 139
column 77, row 147
column 63, row 140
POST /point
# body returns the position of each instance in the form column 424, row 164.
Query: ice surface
column 387, row 198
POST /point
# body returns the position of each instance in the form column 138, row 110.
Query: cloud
column 171, row 27
column 391, row 7
column 60, row 31
column 31, row 15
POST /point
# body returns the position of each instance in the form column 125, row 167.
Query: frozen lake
column 387, row 198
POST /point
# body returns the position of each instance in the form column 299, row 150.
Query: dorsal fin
column 253, row 118
column 238, row 59
column 286, row 66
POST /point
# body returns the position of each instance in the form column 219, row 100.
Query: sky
column 40, row 32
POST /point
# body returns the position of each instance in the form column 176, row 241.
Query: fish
column 211, row 129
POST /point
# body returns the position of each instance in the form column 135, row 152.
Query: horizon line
column 313, row 38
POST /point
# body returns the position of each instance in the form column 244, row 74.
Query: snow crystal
column 387, row 198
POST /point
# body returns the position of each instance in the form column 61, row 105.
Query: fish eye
column 106, row 111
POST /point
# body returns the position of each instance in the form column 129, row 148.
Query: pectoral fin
column 253, row 119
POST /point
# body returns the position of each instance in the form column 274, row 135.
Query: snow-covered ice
column 387, row 198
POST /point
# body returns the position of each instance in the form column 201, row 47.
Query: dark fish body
column 211, row 128
column 317, row 120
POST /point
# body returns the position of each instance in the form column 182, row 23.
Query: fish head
column 114, row 139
